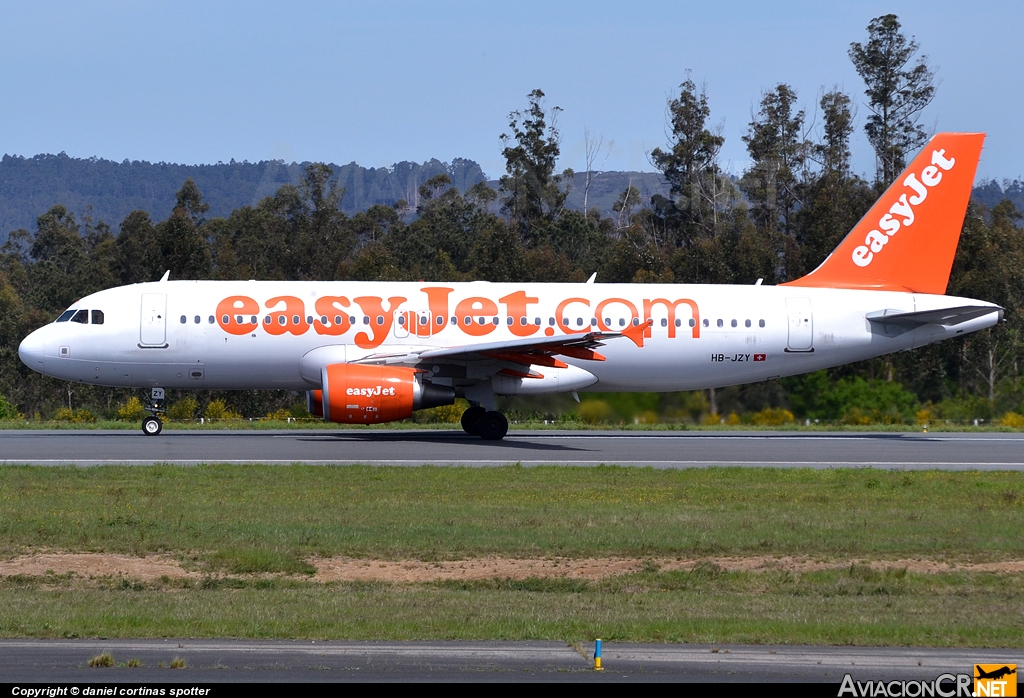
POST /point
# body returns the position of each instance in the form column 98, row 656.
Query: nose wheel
column 488, row 425
column 151, row 425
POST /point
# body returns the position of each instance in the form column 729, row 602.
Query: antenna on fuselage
column 165, row 276
column 592, row 277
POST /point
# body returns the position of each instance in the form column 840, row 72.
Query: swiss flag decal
column 760, row 357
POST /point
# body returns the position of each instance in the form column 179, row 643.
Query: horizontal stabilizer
column 947, row 317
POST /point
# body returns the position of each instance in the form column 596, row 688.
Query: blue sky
column 381, row 82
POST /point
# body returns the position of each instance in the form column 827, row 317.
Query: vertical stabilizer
column 908, row 239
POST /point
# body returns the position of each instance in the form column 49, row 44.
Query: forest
column 775, row 221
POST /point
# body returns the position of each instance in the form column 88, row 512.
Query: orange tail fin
column 908, row 239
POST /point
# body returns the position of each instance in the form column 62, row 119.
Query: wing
column 514, row 356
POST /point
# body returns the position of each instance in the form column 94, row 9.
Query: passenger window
column 721, row 323
column 197, row 319
column 439, row 320
column 309, row 319
column 366, row 319
column 509, row 321
column 337, row 320
column 467, row 320
column 282, row 320
column 664, row 322
column 733, row 323
column 494, row 321
column 693, row 323
column 636, row 322
column 622, row 322
column 295, row 319
column 746, row 323
column 226, row 319
column 183, row 319
column 323, row 320
column 401, row 320
column 65, row 316
column 536, row 321
column 522, row 321
column 760, row 323
column 351, row 319
column 212, row 320
column 97, row 317
column 593, row 322
column 82, row 316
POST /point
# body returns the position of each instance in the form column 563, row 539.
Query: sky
column 381, row 82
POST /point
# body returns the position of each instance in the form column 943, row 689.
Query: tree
column 183, row 247
column 532, row 191
column 897, row 93
column 833, row 198
column 778, row 153
column 691, row 163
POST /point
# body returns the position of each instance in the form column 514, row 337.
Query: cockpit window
column 81, row 316
column 97, row 317
column 66, row 315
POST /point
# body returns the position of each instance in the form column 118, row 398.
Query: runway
column 58, row 661
column 658, row 449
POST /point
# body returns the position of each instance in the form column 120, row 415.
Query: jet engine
column 358, row 394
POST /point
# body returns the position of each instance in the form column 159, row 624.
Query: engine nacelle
column 358, row 394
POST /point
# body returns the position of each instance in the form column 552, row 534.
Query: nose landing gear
column 152, row 425
column 488, row 425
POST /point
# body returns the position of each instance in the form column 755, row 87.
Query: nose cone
column 32, row 349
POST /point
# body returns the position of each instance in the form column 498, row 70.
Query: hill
column 108, row 191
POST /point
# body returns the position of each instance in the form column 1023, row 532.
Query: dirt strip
column 154, row 567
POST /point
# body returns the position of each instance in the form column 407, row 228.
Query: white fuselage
column 172, row 334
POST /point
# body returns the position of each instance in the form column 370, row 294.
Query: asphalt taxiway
column 214, row 660
column 659, row 449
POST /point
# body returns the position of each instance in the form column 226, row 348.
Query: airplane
column 373, row 352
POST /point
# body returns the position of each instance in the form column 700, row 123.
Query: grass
column 852, row 606
column 271, row 518
column 246, row 520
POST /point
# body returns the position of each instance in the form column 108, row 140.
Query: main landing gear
column 488, row 425
column 151, row 425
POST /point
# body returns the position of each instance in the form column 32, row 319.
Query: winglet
column 908, row 239
column 636, row 332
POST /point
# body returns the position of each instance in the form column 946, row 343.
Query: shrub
column 218, row 409
column 772, row 417
column 299, row 411
column 7, row 410
column 593, row 411
column 1013, row 420
column 131, row 410
column 185, row 408
column 281, row 415
column 924, row 416
column 65, row 414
